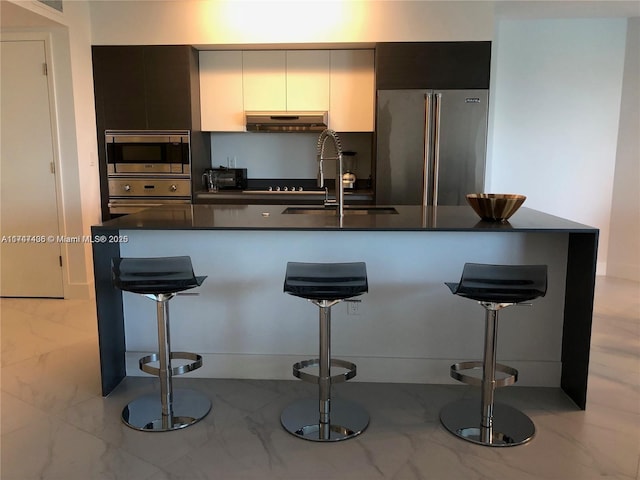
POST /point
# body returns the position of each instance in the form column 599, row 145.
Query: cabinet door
column 168, row 87
column 118, row 74
column 352, row 91
column 308, row 80
column 264, row 80
column 221, row 101
column 437, row 65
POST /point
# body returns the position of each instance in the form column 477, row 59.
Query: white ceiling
column 14, row 16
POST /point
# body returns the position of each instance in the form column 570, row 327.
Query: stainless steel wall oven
column 147, row 168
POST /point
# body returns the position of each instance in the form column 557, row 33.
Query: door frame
column 46, row 37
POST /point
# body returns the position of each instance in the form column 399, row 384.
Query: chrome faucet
column 339, row 197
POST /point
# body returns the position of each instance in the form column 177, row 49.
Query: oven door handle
column 134, row 204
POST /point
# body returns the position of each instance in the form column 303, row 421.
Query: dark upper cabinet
column 145, row 87
column 438, row 65
column 118, row 75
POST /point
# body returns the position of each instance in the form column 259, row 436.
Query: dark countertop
column 270, row 217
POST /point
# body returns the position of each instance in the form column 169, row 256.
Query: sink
column 348, row 210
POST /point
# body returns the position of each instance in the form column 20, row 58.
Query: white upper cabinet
column 338, row 81
column 221, row 102
column 264, row 80
column 352, row 104
column 308, row 80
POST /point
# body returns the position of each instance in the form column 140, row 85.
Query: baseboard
column 79, row 291
column 624, row 270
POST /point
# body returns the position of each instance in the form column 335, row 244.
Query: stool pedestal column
column 495, row 424
column 324, row 419
column 164, row 342
column 488, row 375
column 172, row 409
column 324, row 378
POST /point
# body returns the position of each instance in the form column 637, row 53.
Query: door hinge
column 45, row 72
column 52, row 166
column 60, row 258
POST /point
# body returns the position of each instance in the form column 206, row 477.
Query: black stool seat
column 501, row 283
column 155, row 275
column 326, row 281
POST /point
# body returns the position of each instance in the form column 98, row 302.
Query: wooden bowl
column 495, row 207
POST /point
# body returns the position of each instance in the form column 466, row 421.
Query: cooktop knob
column 286, row 189
column 270, row 189
column 277, row 189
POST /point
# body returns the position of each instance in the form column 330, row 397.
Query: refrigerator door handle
column 436, row 147
column 426, row 161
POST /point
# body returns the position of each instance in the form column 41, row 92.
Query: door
column 460, row 147
column 30, row 261
column 400, row 156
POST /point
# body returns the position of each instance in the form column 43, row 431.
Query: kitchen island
column 408, row 328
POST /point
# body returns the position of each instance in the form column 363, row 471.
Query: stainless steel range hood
column 286, row 121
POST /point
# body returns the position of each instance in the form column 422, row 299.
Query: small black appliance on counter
column 223, row 178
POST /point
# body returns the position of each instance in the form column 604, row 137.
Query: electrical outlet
column 353, row 308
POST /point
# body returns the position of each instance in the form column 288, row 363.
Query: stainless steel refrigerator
column 431, row 146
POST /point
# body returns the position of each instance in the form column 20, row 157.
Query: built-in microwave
column 148, row 152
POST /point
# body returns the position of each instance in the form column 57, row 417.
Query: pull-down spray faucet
column 339, row 196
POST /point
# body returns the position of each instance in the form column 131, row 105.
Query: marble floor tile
column 56, row 380
column 26, row 334
column 54, row 423
column 15, row 413
column 56, row 450
column 78, row 314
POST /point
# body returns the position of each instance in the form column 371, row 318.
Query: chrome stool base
column 301, row 419
column 145, row 413
column 511, row 427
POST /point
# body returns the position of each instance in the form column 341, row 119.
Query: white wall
column 287, row 21
column 77, row 17
column 555, row 106
column 624, row 241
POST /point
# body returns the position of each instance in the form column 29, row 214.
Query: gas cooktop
column 289, row 190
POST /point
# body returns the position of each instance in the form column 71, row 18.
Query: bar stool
column 324, row 419
column 160, row 279
column 494, row 287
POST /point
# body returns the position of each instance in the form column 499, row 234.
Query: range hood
column 286, row 121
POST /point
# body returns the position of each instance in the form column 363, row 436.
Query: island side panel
column 578, row 315
column 109, row 310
